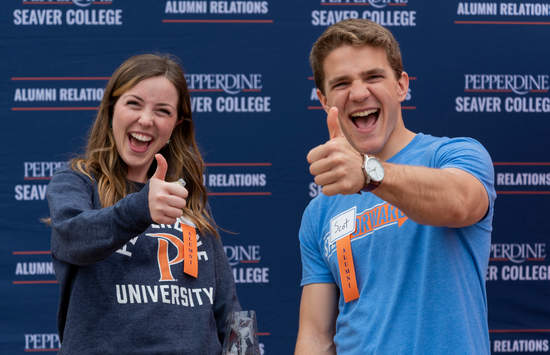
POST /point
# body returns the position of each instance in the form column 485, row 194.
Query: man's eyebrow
column 373, row 71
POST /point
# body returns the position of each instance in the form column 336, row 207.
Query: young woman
column 118, row 219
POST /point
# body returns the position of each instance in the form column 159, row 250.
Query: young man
column 395, row 250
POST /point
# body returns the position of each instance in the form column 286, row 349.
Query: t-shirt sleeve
column 82, row 234
column 469, row 155
column 314, row 267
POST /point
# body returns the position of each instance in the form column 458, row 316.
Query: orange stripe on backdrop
column 54, row 108
column 37, row 178
column 63, row 2
column 221, row 90
column 58, row 78
column 34, row 282
column 41, row 350
column 410, row 78
column 522, row 163
column 501, row 90
column 506, row 259
column 239, row 194
column 215, row 21
column 321, row 107
column 47, row 2
column 523, row 192
column 238, row 164
column 519, row 330
column 358, row 4
column 502, row 23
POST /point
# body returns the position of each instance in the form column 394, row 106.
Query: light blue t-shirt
column 421, row 288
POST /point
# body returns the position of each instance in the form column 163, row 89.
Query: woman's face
column 143, row 120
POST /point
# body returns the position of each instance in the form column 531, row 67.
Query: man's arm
column 439, row 197
column 318, row 312
column 448, row 197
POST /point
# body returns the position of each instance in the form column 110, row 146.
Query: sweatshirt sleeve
column 82, row 233
column 226, row 299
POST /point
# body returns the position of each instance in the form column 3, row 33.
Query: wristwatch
column 373, row 172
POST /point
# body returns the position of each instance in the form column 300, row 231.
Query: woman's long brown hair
column 102, row 162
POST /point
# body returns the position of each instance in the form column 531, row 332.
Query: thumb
column 162, row 167
column 332, row 123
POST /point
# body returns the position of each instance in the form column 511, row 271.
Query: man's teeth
column 364, row 113
column 141, row 137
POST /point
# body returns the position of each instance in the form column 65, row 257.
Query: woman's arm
column 83, row 234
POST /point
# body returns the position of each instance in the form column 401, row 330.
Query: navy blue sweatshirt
column 122, row 286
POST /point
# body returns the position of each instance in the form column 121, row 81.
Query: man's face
column 360, row 82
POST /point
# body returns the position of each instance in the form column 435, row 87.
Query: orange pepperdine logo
column 162, row 254
column 378, row 217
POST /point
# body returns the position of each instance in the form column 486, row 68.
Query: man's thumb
column 162, row 167
column 332, row 123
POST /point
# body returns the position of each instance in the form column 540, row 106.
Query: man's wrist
column 373, row 173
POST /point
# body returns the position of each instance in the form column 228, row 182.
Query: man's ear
column 323, row 100
column 402, row 86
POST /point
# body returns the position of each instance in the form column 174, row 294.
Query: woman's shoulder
column 69, row 174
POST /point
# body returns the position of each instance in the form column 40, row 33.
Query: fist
column 336, row 165
column 166, row 199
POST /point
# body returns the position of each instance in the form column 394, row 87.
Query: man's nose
column 359, row 91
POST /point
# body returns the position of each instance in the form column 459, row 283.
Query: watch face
column 375, row 170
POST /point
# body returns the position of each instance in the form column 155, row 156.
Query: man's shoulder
column 435, row 141
column 425, row 144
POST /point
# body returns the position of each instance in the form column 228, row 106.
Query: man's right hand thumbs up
column 336, row 165
column 166, row 199
column 332, row 123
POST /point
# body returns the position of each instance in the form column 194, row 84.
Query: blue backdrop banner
column 477, row 69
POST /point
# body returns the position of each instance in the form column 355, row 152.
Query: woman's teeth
column 140, row 137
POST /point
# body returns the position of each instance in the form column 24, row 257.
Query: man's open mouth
column 365, row 119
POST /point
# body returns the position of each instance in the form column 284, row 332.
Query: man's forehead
column 335, row 73
column 363, row 56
